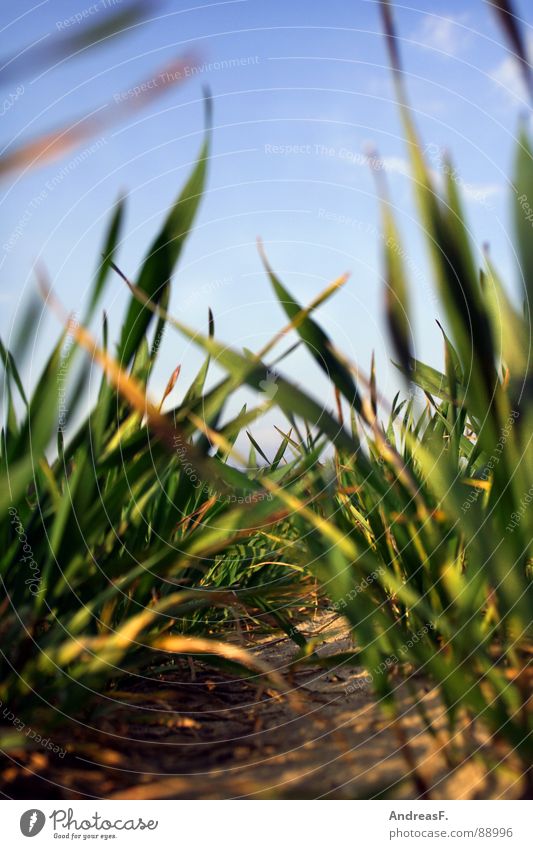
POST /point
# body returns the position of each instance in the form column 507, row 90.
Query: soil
column 204, row 734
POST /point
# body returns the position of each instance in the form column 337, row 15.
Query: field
column 349, row 616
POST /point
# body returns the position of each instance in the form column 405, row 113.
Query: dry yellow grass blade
column 132, row 391
column 321, row 298
column 57, row 143
column 108, row 650
column 161, row 313
column 200, row 645
column 477, row 483
column 170, row 386
column 328, row 529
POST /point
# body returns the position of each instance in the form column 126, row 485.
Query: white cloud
column 444, row 33
column 509, row 77
column 480, row 192
column 475, row 192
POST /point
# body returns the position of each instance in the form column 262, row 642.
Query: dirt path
column 201, row 734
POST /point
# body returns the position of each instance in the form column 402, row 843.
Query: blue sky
column 307, row 91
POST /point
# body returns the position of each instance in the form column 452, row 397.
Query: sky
column 301, row 91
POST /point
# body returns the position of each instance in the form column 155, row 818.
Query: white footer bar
column 268, row 824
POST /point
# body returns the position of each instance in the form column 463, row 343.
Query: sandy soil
column 199, row 733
